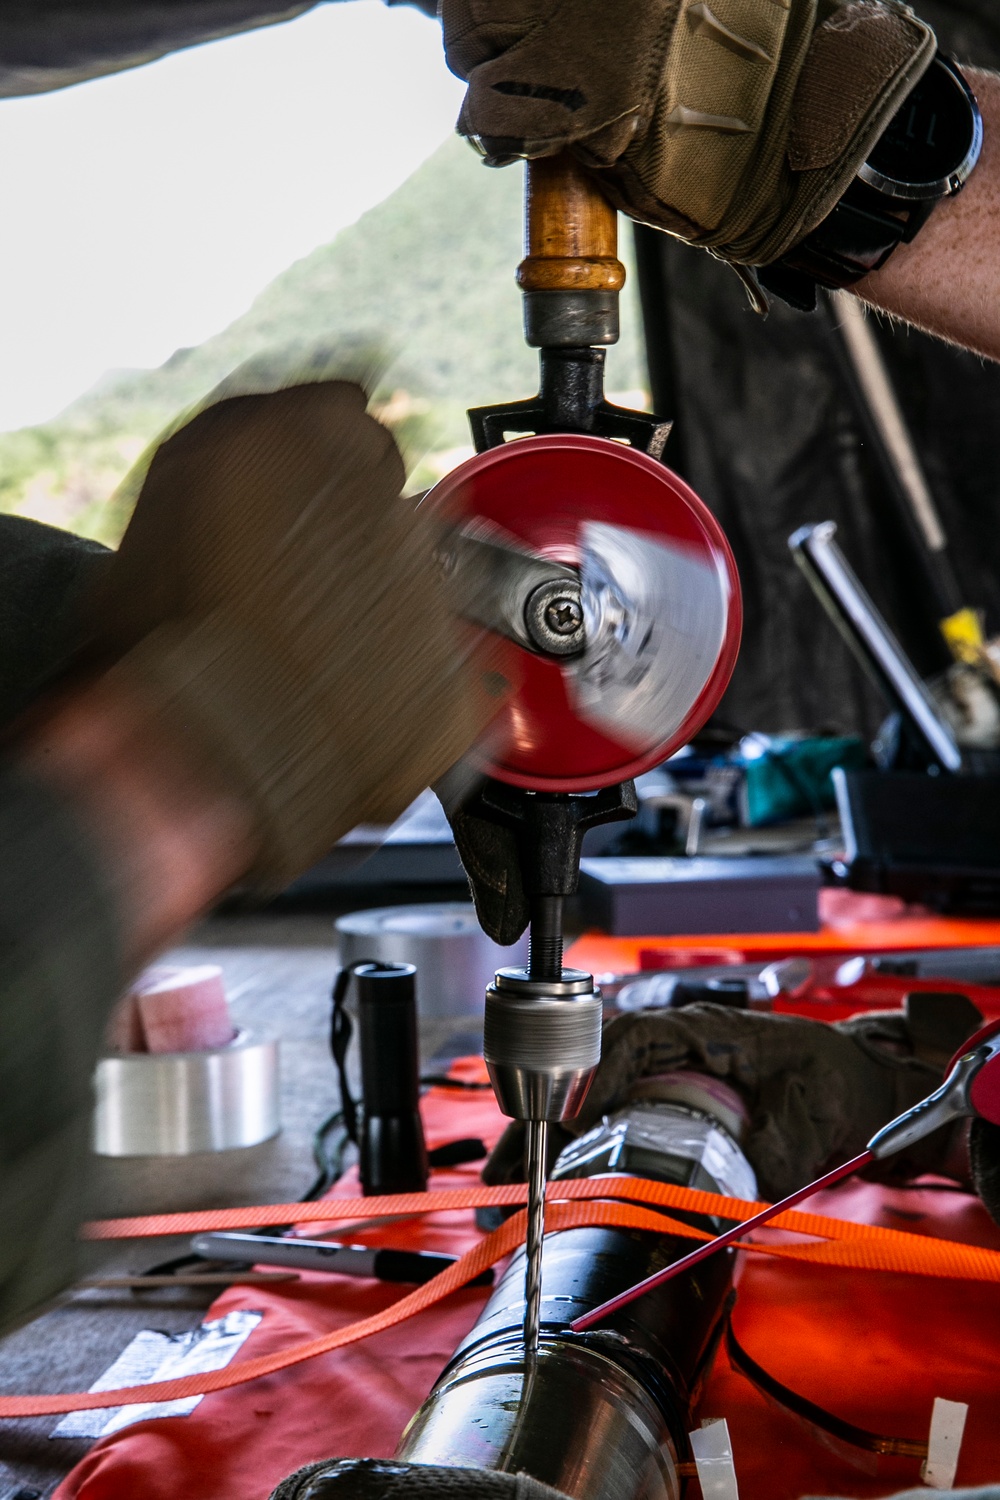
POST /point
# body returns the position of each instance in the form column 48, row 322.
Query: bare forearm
column 947, row 281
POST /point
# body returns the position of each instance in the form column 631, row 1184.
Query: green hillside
column 427, row 276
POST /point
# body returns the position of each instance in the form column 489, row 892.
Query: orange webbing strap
column 861, row 1246
column 890, row 1249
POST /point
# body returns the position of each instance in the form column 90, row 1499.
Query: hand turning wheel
column 658, row 593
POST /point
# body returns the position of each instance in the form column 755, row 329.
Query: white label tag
column 944, row 1443
column 160, row 1356
column 713, row 1456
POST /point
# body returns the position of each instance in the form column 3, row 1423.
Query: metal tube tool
column 616, row 594
column 542, row 1031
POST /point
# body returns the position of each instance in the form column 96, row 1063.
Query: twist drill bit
column 545, row 955
column 542, row 1023
column 535, row 1153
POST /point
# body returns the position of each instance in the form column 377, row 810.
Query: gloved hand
column 490, row 858
column 277, row 602
column 731, row 124
column 815, row 1093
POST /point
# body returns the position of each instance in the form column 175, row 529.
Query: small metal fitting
column 553, row 617
column 570, row 319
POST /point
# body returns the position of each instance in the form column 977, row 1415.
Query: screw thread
column 545, row 938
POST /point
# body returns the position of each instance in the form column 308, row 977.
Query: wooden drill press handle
column 570, row 231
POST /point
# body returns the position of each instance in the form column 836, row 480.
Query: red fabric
column 825, row 997
column 874, row 1348
column 238, row 1444
column 840, row 933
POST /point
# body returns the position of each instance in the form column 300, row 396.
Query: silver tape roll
column 455, row 959
column 179, row 1103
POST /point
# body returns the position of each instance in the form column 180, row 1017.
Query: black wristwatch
column 928, row 150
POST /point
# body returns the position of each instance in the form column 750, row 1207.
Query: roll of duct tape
column 179, row 1103
column 455, row 959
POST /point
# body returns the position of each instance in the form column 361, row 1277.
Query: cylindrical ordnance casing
column 601, row 1415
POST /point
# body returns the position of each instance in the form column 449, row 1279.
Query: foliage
column 427, row 275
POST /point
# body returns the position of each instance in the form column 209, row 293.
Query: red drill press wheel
column 554, row 495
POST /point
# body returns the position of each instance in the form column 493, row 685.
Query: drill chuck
column 542, row 1042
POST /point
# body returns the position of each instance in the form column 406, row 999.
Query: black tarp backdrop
column 769, row 436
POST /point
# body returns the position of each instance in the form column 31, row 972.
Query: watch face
column 932, row 140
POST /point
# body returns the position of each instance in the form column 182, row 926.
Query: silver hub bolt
column 564, row 616
column 553, row 618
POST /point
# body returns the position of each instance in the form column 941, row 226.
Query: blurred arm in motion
column 170, row 837
column 110, row 844
column 266, row 661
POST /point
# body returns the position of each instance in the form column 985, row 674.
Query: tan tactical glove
column 815, row 1093
column 734, row 124
column 278, row 602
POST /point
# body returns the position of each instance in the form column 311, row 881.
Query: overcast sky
column 143, row 212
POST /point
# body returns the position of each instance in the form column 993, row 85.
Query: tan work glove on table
column 733, row 124
column 277, row 602
column 815, row 1094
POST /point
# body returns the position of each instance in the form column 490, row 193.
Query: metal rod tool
column 542, row 1031
column 379, row 1261
column 866, row 634
column 545, row 955
column 542, row 1027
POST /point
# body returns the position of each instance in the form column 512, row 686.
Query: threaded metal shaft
column 545, row 938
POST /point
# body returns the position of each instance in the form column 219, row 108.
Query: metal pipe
column 602, row 1415
column 886, row 413
column 839, row 590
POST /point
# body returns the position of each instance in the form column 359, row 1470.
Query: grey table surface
column 278, row 972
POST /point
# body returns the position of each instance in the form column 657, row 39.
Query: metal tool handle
column 840, row 592
column 947, row 1103
column 970, row 1089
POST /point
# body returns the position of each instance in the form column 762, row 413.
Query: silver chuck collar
column 542, row 1042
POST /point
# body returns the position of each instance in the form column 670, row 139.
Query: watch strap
column 856, row 237
column 885, row 206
